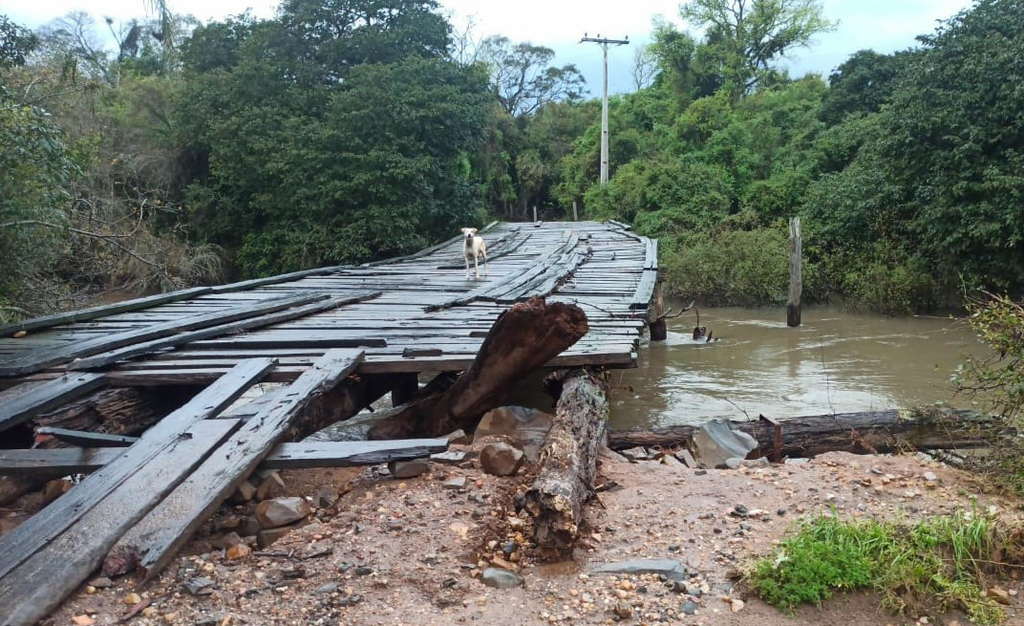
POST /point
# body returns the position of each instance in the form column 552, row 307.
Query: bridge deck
column 413, row 314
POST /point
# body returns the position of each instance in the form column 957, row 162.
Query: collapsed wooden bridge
column 339, row 338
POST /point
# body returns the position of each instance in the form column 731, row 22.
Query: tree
column 862, row 84
column 645, row 67
column 746, row 37
column 522, row 78
column 16, row 42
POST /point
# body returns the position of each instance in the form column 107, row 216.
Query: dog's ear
column 465, row 230
column 472, row 231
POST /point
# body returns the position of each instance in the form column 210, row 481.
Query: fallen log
column 523, row 338
column 568, row 463
column 873, row 432
column 117, row 411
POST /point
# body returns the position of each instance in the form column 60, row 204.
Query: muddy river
column 836, row 361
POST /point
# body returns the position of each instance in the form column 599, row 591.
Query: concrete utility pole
column 604, row 43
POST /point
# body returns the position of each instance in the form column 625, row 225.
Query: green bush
column 892, row 288
column 932, row 566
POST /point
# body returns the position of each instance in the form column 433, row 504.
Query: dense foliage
column 348, row 130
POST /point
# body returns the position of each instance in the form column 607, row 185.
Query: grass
column 929, row 567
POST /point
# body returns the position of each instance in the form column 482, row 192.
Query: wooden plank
column 99, row 311
column 36, row 532
column 35, row 362
column 56, row 462
column 426, row 251
column 85, row 438
column 644, row 290
column 275, row 280
column 38, row 585
column 21, row 406
column 158, row 536
column 107, row 358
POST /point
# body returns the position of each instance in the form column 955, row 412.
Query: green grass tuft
column 932, row 566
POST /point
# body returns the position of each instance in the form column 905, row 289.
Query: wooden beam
column 39, row 584
column 24, row 402
column 40, row 529
column 41, row 360
column 86, row 438
column 153, row 542
column 57, row 319
column 148, row 347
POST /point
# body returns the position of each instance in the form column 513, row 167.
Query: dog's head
column 469, row 233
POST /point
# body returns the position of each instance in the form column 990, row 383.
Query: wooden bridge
column 340, row 337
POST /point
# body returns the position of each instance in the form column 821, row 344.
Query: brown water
column 836, row 361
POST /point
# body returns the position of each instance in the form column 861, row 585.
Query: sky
column 882, row 25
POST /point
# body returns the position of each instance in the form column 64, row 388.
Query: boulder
column 525, row 428
column 281, row 511
column 500, row 459
column 500, row 578
column 715, row 442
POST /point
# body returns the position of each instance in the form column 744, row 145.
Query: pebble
column 132, row 599
column 455, row 483
column 736, row 605
column 623, row 610
column 500, row 578
column 688, row 608
column 199, row 586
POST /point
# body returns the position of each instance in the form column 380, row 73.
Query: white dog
column 474, row 249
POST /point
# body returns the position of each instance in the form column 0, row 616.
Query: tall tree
column 748, row 36
column 523, row 79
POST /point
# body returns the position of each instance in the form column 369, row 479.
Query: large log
column 873, row 432
column 523, row 338
column 118, row 410
column 568, row 463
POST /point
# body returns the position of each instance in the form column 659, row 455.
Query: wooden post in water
column 575, row 212
column 535, row 214
column 795, row 273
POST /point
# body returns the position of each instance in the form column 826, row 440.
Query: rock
column 459, row 437
column 326, row 497
column 226, row 522
column 930, row 477
column 248, row 526
column 246, row 491
column 226, row 541
column 266, row 537
column 408, row 469
column 500, row 578
column 102, row 582
column 622, row 610
column 238, row 551
column 131, row 599
column 281, row 511
column 999, row 594
column 199, row 586
column 459, row 482
column 326, row 589
column 684, row 457
column 736, row 605
column 694, row 590
column 364, row 570
column 500, row 459
column 688, row 608
column 635, row 454
column 83, row 620
column 716, row 442
column 525, row 428
column 670, row 568
column 761, row 461
column 217, row 619
column 271, row 487
column 734, row 463
column 452, row 457
column 55, row 489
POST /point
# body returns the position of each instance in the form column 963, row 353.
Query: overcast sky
column 882, row 25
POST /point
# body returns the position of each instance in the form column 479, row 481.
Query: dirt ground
column 410, row 551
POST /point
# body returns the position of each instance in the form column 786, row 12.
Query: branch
column 110, row 239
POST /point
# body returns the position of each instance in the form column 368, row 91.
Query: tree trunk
column 874, row 432
column 568, row 463
column 117, row 411
column 523, row 338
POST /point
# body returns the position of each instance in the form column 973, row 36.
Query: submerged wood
column 873, row 432
column 523, row 338
column 568, row 463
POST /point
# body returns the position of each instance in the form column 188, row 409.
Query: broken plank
column 40, row 583
column 86, row 438
column 40, row 529
column 348, row 453
column 100, row 311
column 35, row 362
column 107, row 358
column 21, row 406
column 158, row 536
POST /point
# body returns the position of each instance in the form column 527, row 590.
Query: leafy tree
column 861, row 84
column 16, row 42
column 745, row 37
column 523, row 79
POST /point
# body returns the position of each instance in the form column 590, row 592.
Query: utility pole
column 604, row 43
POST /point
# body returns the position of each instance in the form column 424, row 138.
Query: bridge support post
column 656, row 315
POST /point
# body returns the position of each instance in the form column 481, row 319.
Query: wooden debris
column 22, row 403
column 568, row 463
column 86, row 438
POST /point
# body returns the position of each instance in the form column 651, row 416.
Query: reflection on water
column 835, row 362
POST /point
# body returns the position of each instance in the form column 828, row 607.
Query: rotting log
column 117, row 411
column 873, row 432
column 568, row 463
column 523, row 338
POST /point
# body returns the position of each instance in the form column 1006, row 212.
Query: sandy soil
column 409, row 551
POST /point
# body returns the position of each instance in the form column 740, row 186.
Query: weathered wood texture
column 157, row 537
column 796, row 281
column 39, row 584
column 86, row 438
column 117, row 411
column 20, row 405
column 874, row 432
column 522, row 339
column 568, row 463
column 40, row 529
column 59, row 462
